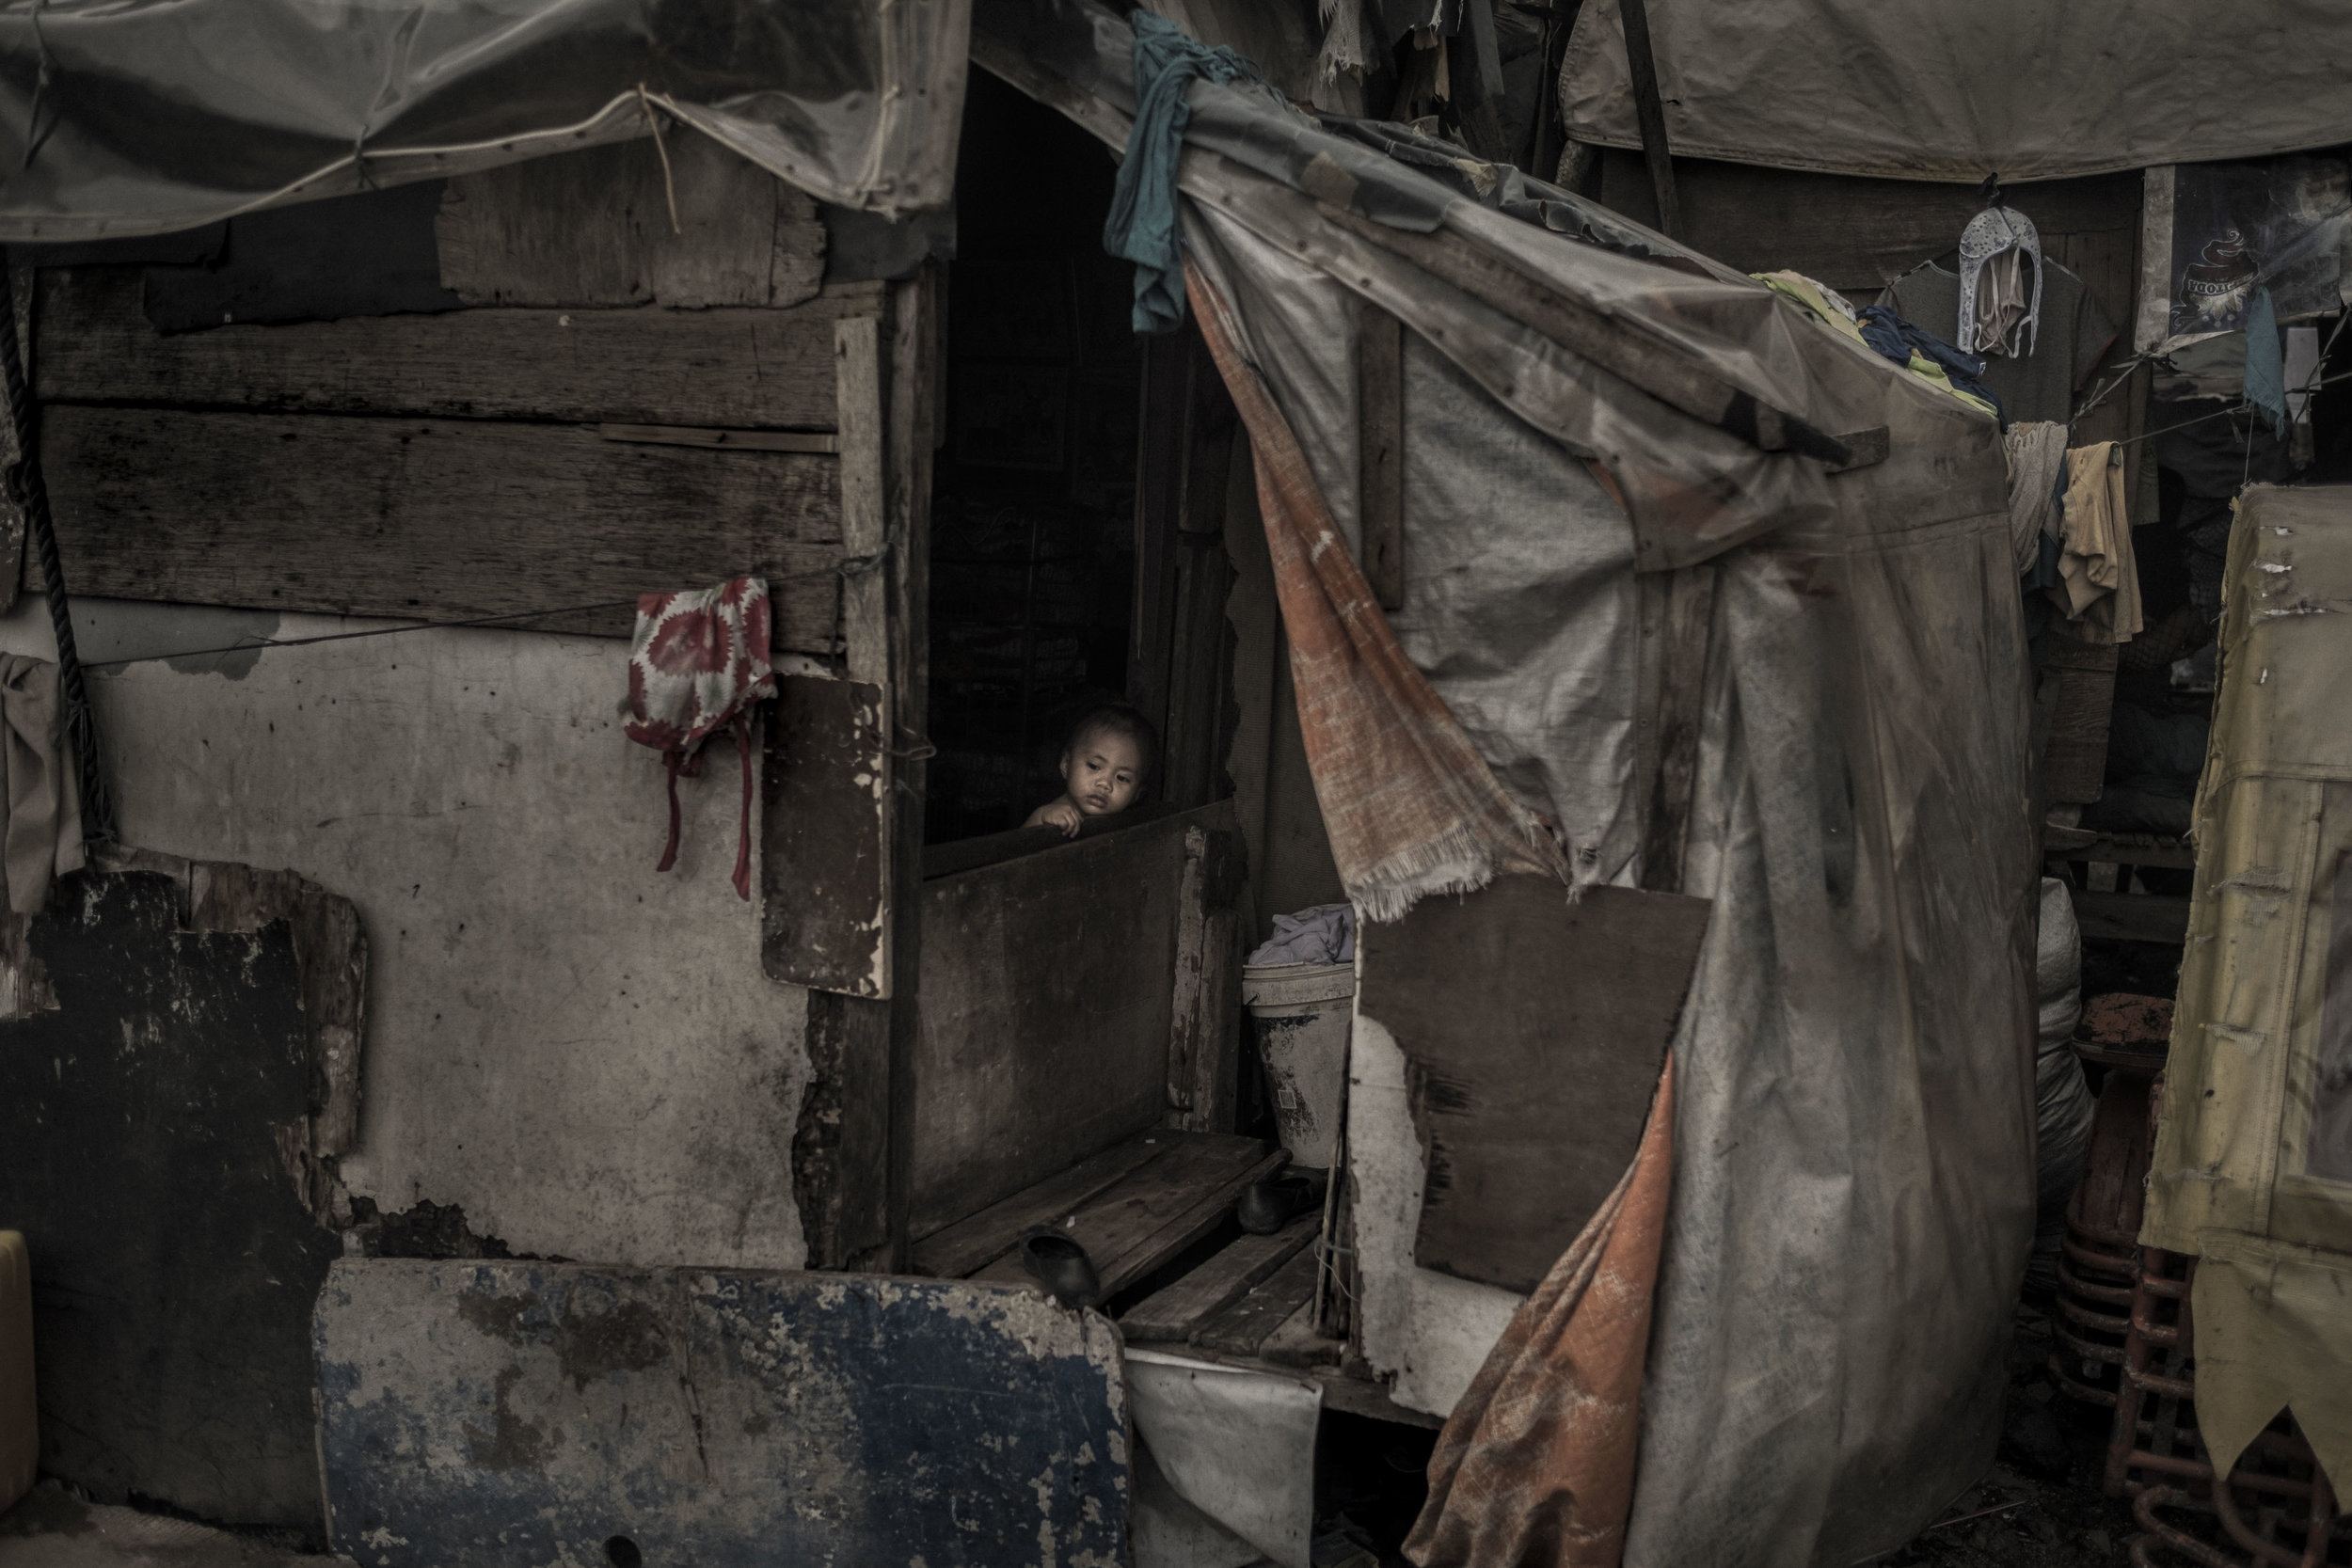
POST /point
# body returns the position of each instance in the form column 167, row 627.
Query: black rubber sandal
column 1062, row 1266
column 1265, row 1207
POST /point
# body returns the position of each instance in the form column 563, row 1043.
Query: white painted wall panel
column 1429, row 1331
column 579, row 1052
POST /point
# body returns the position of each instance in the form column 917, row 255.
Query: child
column 1110, row 753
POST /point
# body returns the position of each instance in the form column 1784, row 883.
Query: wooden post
column 913, row 421
column 1642, row 65
column 1685, row 628
column 1381, row 485
column 1164, row 426
column 851, row 1157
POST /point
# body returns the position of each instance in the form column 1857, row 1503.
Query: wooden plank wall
column 1049, row 1018
column 557, row 444
column 1858, row 235
column 450, row 466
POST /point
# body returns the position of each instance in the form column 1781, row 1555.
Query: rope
column 254, row 644
column 669, row 187
column 32, row 495
column 855, row 566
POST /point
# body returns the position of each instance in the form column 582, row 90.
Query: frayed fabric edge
column 1457, row 861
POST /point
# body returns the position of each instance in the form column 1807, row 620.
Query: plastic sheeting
column 2063, row 1107
column 2253, row 1166
column 1854, row 1192
column 1916, row 90
column 142, row 119
column 1225, row 1463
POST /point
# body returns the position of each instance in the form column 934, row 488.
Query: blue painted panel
column 503, row 1413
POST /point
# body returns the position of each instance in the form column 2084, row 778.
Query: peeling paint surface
column 579, row 1052
column 144, row 1125
column 520, row 1413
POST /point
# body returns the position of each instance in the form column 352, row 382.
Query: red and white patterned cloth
column 697, row 664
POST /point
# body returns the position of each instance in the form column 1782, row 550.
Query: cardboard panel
column 1533, row 1030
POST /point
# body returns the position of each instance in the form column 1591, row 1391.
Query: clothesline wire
column 854, row 567
column 2238, row 407
column 2123, row 372
column 255, row 644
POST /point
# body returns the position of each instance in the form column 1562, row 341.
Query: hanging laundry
column 1885, row 337
column 697, row 665
column 1142, row 226
column 42, row 838
column 1325, row 934
column 2098, row 589
column 2002, row 322
column 2000, row 311
column 2037, row 474
column 2062, row 340
column 1928, row 356
column 2265, row 362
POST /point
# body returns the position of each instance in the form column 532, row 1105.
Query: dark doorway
column 1032, row 520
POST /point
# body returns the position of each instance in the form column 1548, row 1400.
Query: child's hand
column 1062, row 813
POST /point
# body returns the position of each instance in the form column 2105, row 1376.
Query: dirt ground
column 2040, row 1505
column 53, row 1528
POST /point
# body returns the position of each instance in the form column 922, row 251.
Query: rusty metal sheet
column 517, row 1413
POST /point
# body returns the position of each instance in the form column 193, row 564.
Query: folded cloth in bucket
column 1323, row 935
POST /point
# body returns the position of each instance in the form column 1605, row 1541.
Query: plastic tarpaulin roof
column 1917, row 89
column 2253, row 1158
column 141, row 116
column 1853, row 1187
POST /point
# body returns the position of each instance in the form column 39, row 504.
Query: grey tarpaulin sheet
column 1225, row 1462
column 145, row 117
column 1855, row 1179
column 1919, row 89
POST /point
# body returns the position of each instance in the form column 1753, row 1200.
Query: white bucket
column 1302, row 1014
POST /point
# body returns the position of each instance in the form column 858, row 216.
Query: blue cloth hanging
column 1142, row 225
column 2265, row 362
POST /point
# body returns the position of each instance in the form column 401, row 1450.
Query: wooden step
column 970, row 1243
column 1155, row 1211
column 1173, row 1312
column 1245, row 1326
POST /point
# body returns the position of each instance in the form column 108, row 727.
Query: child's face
column 1102, row 772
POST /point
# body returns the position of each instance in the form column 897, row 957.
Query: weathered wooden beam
column 863, row 497
column 1684, row 620
column 1176, row 1311
column 735, row 368
column 596, row 228
column 1650, row 111
column 1381, row 467
column 1203, row 1047
column 913, row 416
column 824, row 851
column 438, row 520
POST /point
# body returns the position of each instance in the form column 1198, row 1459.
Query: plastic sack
column 2062, row 1102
